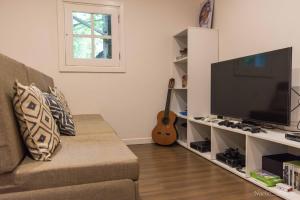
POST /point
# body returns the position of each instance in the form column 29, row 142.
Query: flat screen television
column 254, row 88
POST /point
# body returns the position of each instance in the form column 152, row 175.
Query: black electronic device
column 274, row 163
column 231, row 157
column 255, row 88
column 293, row 136
column 226, row 123
column 199, row 118
column 201, row 146
column 242, row 126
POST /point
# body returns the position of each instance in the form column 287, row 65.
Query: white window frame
column 66, row 61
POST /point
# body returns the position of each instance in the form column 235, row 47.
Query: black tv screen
column 254, row 88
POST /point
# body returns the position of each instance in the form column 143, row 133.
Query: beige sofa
column 94, row 164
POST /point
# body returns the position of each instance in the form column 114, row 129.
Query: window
column 90, row 40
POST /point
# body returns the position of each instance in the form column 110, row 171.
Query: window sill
column 91, row 69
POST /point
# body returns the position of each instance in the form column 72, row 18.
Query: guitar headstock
column 171, row 83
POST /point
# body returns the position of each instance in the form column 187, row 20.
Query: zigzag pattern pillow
column 61, row 98
column 37, row 126
column 63, row 119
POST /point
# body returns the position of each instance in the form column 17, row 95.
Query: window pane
column 82, row 47
column 102, row 24
column 103, row 48
column 81, row 23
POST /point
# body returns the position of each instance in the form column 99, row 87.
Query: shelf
column 277, row 137
column 233, row 170
column 270, row 135
column 183, row 143
column 181, row 60
column 199, row 121
column 206, row 155
column 180, row 88
column 280, row 193
column 181, row 116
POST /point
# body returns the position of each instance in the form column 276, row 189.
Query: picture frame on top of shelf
column 206, row 14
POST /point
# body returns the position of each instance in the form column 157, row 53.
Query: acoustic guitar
column 164, row 132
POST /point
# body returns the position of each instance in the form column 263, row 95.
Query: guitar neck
column 167, row 108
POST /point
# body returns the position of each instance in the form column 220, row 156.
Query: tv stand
column 253, row 145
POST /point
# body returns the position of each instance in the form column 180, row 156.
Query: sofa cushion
column 91, row 124
column 41, row 80
column 63, row 119
column 81, row 159
column 37, row 126
column 11, row 145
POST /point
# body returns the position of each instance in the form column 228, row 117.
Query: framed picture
column 206, row 14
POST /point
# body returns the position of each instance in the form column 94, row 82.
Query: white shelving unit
column 202, row 50
column 181, row 60
column 254, row 146
column 202, row 45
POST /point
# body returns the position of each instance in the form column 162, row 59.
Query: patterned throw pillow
column 37, row 126
column 62, row 118
column 61, row 98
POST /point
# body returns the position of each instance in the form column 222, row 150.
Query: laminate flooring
column 174, row 173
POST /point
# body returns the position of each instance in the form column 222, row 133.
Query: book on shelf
column 291, row 174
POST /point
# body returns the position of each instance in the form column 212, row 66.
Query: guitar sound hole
column 165, row 120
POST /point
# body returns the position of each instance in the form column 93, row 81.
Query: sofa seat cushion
column 81, row 159
column 91, row 124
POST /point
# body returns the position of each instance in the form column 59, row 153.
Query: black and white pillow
column 63, row 119
column 37, row 126
column 61, row 98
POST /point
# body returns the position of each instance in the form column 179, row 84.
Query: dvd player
column 293, row 136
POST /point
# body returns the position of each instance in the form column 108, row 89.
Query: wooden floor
column 168, row 173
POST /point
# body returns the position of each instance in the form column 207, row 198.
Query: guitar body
column 164, row 132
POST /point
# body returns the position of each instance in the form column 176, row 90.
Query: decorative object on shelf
column 183, row 51
column 184, row 113
column 206, row 14
column 164, row 132
column 184, row 81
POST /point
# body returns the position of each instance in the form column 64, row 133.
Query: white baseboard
column 138, row 141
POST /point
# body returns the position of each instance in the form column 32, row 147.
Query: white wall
column 251, row 26
column 129, row 101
